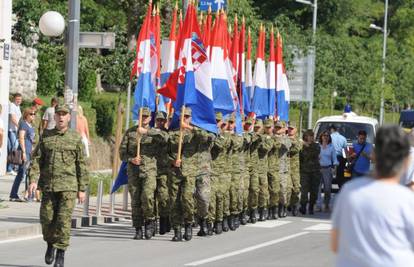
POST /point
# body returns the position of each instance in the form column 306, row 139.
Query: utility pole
column 384, row 56
column 315, row 14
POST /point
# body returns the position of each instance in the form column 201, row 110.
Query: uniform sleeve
column 81, row 169
column 36, row 163
column 123, row 149
column 161, row 137
column 172, row 145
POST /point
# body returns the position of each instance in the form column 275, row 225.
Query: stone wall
column 23, row 70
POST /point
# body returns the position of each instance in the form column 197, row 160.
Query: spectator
column 340, row 144
column 1, row 129
column 15, row 115
column 48, row 120
column 37, row 104
column 408, row 178
column 83, row 129
column 361, row 156
column 26, row 139
column 328, row 161
column 373, row 219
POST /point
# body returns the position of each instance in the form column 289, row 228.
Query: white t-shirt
column 14, row 110
column 49, row 116
column 375, row 223
column 2, row 125
column 408, row 177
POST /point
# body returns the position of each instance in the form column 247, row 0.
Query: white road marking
column 245, row 250
column 268, row 224
column 20, row 239
column 319, row 227
column 316, row 221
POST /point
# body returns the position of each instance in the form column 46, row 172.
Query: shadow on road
column 18, row 220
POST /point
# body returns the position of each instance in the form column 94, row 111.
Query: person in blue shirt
column 340, row 144
column 373, row 218
column 361, row 155
column 408, row 177
column 328, row 162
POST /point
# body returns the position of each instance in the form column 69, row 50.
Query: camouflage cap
column 268, row 123
column 146, row 112
column 292, row 124
column 259, row 123
column 283, row 124
column 160, row 116
column 249, row 120
column 62, row 108
column 231, row 118
column 278, row 124
column 187, row 111
column 219, row 116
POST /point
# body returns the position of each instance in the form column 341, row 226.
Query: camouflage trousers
column 236, row 194
column 162, row 195
column 202, row 195
column 56, row 217
column 284, row 183
column 310, row 182
column 274, row 188
column 253, row 190
column 293, row 189
column 181, row 190
column 263, row 200
column 225, row 183
column 246, row 186
column 216, row 206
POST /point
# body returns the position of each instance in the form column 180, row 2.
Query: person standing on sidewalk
column 60, row 171
column 340, row 144
column 15, row 115
column 48, row 119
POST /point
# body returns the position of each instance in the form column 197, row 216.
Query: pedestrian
column 310, row 172
column 15, row 115
column 48, row 119
column 82, row 128
column 36, row 105
column 361, row 156
column 294, row 179
column 60, row 171
column 328, row 162
column 340, row 144
column 26, row 136
column 408, row 178
column 373, row 219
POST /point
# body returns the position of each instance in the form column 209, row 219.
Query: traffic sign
column 215, row 5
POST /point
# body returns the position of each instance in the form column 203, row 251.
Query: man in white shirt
column 15, row 115
column 48, row 119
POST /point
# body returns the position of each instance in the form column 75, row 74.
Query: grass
column 107, row 184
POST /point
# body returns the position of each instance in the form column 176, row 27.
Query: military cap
column 283, row 124
column 231, row 118
column 160, row 115
column 292, row 124
column 268, row 123
column 187, row 111
column 146, row 112
column 249, row 120
column 62, row 108
column 219, row 116
column 259, row 123
column 278, row 124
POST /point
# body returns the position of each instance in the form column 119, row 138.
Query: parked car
column 407, row 119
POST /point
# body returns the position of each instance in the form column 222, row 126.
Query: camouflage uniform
column 284, row 169
column 225, row 177
column 246, row 171
column 294, row 189
column 237, row 168
column 310, row 174
column 60, row 164
column 142, row 178
column 254, row 175
column 273, row 174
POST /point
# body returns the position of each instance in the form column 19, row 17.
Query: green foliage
column 94, row 182
column 51, row 69
column 105, row 108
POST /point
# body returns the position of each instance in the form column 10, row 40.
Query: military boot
column 310, row 208
column 270, row 214
column 294, row 210
column 225, row 225
column 163, row 225
column 243, row 218
column 236, row 221
column 178, row 236
column 50, row 254
column 218, row 227
column 284, row 213
column 168, row 225
column 60, row 258
column 262, row 215
column 253, row 218
column 188, row 231
column 149, row 229
column 280, row 210
column 232, row 226
column 138, row 233
column 210, row 227
column 302, row 208
column 275, row 211
column 203, row 228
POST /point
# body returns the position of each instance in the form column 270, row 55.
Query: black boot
column 270, row 214
column 50, row 254
column 280, row 211
column 178, row 236
column 253, row 218
column 262, row 215
column 275, row 210
column 225, row 225
column 60, row 258
column 243, row 218
column 188, row 231
column 302, row 208
column 138, row 233
column 237, row 220
column 203, row 228
column 310, row 208
column 232, row 226
column 149, row 229
column 284, row 213
column 218, row 227
column 163, row 225
column 168, row 225
column 294, row 210
column 210, row 228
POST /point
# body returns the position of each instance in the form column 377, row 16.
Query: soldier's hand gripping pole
column 138, row 133
column 180, row 141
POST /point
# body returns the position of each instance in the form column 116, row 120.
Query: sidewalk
column 21, row 219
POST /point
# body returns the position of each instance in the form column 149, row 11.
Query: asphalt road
column 293, row 241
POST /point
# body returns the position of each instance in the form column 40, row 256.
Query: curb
column 20, row 232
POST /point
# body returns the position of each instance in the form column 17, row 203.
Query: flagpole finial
column 158, row 9
column 272, row 29
column 154, row 10
column 209, row 9
column 243, row 20
column 176, row 5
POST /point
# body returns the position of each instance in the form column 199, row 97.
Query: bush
column 94, row 182
column 105, row 108
column 87, row 84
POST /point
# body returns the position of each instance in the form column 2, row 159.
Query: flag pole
column 138, row 134
column 180, row 141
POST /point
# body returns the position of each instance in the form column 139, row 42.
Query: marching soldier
column 294, row 184
column 254, row 175
column 247, row 138
column 60, row 171
column 284, row 170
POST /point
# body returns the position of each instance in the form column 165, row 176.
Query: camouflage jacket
column 286, row 143
column 247, row 139
column 59, row 162
column 237, row 158
column 273, row 156
column 254, row 151
column 309, row 158
column 163, row 161
column 204, row 140
column 219, row 153
column 265, row 146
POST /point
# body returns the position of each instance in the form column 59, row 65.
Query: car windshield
column 348, row 129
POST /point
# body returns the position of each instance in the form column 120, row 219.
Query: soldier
column 310, row 174
column 60, row 164
column 284, row 170
column 247, row 137
column 162, row 195
column 294, row 184
column 254, row 175
column 274, row 172
column 142, row 172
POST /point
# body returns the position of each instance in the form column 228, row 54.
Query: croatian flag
column 249, row 75
column 145, row 67
column 271, row 76
column 242, row 90
column 260, row 102
column 282, row 86
column 190, row 84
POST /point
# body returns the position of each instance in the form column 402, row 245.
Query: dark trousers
column 340, row 171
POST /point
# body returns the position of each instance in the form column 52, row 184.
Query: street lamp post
column 314, row 5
